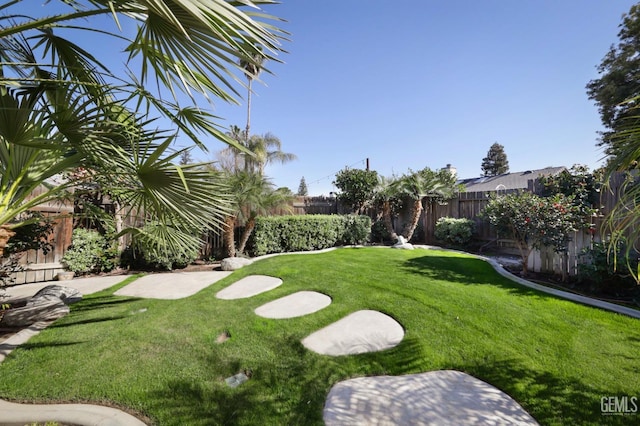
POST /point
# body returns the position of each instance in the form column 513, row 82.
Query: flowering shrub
column 533, row 221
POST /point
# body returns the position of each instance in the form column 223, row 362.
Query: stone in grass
column 223, row 337
column 233, row 263
column 402, row 243
column 238, row 379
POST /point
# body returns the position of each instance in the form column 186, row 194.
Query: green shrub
column 455, row 232
column 283, row 234
column 356, row 230
column 605, row 271
column 90, row 252
column 379, row 233
column 157, row 247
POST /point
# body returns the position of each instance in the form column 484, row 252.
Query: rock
column 67, row 294
column 233, row 263
column 43, row 308
column 402, row 243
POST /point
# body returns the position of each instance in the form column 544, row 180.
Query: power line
column 363, row 161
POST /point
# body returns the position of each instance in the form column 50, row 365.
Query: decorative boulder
column 44, row 308
column 402, row 243
column 233, row 263
column 67, row 294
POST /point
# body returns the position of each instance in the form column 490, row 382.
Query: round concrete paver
column 359, row 332
column 294, row 305
column 249, row 286
column 435, row 398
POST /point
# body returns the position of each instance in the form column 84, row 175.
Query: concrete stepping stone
column 294, row 305
column 435, row 398
column 171, row 285
column 359, row 332
column 249, row 286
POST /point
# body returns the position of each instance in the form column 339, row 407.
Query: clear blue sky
column 417, row 83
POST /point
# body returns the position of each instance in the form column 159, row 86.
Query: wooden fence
column 41, row 267
column 469, row 204
column 37, row 265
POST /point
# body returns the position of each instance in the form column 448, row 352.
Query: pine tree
column 495, row 163
column 302, row 188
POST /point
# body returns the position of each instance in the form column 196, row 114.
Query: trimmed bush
column 283, row 234
column 356, row 230
column 89, row 252
column 455, row 232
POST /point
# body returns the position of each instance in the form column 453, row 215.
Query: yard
column 160, row 359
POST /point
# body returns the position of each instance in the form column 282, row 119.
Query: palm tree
column 262, row 205
column 63, row 108
column 260, row 150
column 385, row 197
column 622, row 222
column 252, row 66
column 426, row 183
column 267, row 149
column 253, row 195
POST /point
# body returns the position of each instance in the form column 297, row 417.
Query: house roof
column 518, row 180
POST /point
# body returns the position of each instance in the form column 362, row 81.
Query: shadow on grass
column 462, row 270
column 88, row 321
column 29, row 346
column 290, row 388
column 101, row 302
column 547, row 397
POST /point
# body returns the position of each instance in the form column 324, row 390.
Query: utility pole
column 367, row 163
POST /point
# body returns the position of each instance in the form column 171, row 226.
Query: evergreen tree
column 495, row 163
column 302, row 188
column 185, row 157
column 616, row 91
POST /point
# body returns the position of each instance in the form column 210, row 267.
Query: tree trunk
column 248, row 229
column 229, row 244
column 5, row 236
column 119, row 224
column 524, row 253
column 410, row 227
column 246, row 131
column 386, row 215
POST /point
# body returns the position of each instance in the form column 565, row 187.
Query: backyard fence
column 38, row 266
column 468, row 205
column 41, row 267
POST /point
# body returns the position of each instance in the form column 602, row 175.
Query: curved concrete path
column 294, row 305
column 359, row 332
column 435, row 398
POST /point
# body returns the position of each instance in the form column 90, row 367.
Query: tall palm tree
column 260, row 151
column 252, row 66
column 62, row 107
column 267, row 149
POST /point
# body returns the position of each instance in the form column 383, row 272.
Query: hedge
column 283, row 234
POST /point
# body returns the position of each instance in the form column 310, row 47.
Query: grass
column 555, row 357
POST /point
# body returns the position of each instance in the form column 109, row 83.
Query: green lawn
column 556, row 358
